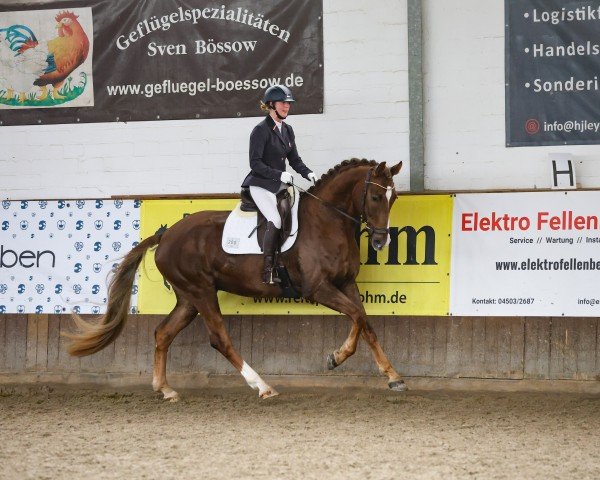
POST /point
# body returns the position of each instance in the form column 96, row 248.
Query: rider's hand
column 286, row 177
column 312, row 177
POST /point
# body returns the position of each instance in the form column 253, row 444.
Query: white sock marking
column 253, row 379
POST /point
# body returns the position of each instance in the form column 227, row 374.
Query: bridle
column 363, row 218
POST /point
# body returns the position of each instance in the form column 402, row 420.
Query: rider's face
column 282, row 108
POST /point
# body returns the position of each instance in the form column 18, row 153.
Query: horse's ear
column 380, row 169
column 396, row 169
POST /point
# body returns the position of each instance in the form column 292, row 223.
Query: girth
column 284, row 207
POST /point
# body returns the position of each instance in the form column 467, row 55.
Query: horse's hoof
column 398, row 386
column 269, row 393
column 331, row 363
column 170, row 395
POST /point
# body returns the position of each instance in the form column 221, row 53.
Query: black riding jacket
column 268, row 150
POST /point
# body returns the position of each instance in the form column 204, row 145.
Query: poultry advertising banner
column 124, row 60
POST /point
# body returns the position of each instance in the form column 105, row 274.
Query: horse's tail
column 93, row 337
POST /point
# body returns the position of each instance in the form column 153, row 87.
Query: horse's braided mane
column 341, row 167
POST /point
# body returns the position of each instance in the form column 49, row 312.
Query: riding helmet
column 278, row 93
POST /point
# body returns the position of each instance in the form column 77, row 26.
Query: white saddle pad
column 239, row 234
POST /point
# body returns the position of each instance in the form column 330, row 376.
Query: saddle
column 240, row 232
column 284, row 207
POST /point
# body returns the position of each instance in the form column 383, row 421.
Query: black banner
column 130, row 60
column 552, row 72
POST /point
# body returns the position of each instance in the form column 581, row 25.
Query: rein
column 363, row 216
column 341, row 212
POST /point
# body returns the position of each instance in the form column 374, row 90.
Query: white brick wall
column 464, row 106
column 366, row 115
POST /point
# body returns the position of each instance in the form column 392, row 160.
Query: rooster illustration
column 21, row 63
column 29, row 62
column 69, row 50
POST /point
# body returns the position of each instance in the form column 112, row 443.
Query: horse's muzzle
column 378, row 243
column 379, row 237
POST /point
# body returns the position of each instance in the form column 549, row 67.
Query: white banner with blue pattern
column 58, row 256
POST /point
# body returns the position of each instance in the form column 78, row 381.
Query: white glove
column 286, row 177
column 312, row 177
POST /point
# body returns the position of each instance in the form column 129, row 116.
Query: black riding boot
column 269, row 246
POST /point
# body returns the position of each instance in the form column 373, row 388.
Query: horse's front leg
column 395, row 381
column 348, row 302
column 347, row 349
column 332, row 297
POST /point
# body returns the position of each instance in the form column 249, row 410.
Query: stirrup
column 272, row 280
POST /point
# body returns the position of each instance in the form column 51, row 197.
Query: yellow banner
column 410, row 277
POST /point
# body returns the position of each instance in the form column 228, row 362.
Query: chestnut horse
column 322, row 265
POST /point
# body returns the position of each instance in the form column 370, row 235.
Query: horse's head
column 378, row 198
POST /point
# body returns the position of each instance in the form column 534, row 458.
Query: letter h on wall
column 563, row 173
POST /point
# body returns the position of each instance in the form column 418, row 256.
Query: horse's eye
column 376, row 198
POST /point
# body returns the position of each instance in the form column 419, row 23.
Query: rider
column 271, row 142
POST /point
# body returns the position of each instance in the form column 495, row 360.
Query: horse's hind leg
column 165, row 332
column 209, row 309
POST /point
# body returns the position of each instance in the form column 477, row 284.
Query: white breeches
column 267, row 203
